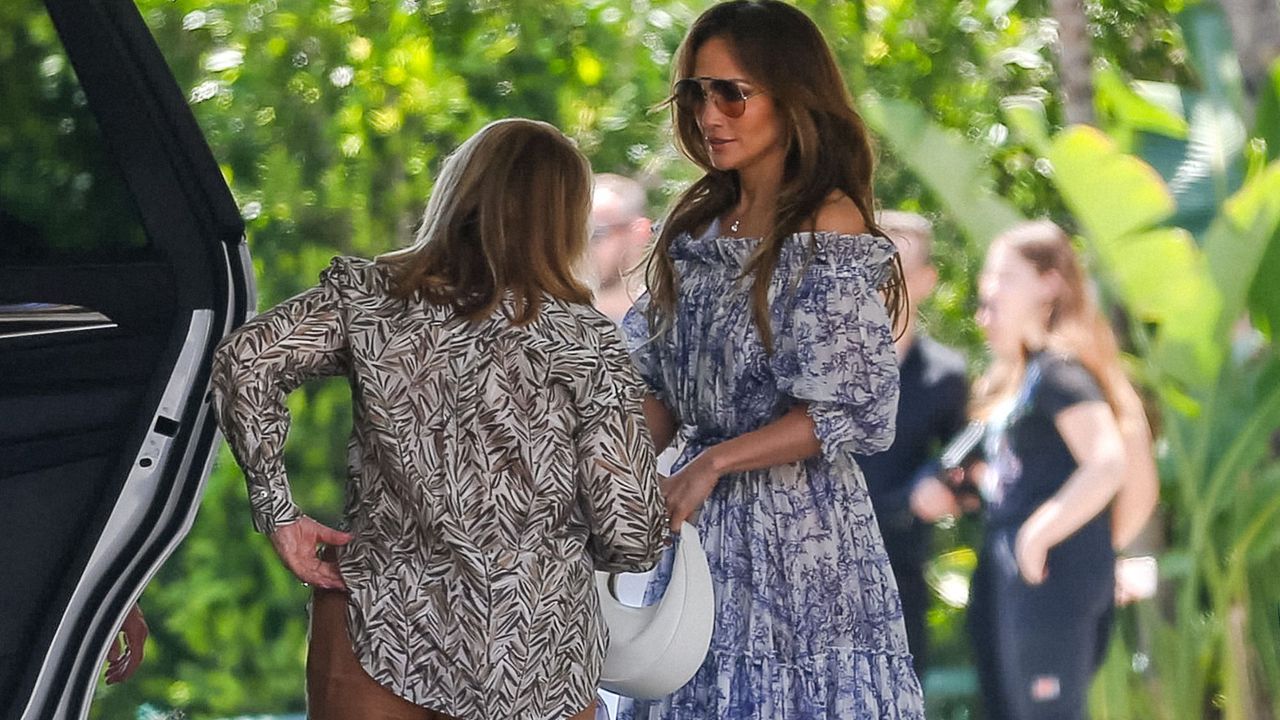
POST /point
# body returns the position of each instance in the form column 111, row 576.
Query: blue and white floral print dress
column 808, row 619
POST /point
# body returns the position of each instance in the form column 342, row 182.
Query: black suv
column 122, row 264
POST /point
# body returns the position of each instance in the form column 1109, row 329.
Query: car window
column 61, row 199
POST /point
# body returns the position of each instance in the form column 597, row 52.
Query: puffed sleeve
column 257, row 366
column 617, row 469
column 644, row 348
column 833, row 348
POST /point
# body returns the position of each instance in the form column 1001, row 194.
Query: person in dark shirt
column 1065, row 438
column 905, row 491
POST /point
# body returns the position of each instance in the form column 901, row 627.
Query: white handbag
column 655, row 650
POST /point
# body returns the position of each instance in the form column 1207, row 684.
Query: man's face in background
column 618, row 238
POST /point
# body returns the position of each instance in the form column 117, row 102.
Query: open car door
column 122, row 264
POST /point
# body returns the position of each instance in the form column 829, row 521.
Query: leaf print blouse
column 491, row 470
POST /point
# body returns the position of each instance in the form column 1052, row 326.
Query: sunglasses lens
column 688, row 94
column 729, row 98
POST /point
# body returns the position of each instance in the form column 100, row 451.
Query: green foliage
column 1204, row 164
column 1265, row 296
column 1118, row 200
column 1268, row 118
column 955, row 172
column 65, row 160
column 1186, row 294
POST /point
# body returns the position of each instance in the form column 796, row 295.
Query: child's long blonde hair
column 1076, row 326
column 508, row 215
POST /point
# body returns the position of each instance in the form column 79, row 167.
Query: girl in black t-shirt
column 1067, row 444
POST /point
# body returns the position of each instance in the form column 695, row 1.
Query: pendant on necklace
column 733, row 226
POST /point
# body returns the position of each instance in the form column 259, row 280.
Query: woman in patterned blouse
column 498, row 455
column 766, row 343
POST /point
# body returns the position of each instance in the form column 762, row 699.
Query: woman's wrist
column 1041, row 524
column 714, row 461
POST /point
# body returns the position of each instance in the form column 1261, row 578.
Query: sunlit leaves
column 1111, row 193
column 954, row 171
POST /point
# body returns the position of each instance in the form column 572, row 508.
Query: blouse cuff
column 841, row 434
column 272, row 503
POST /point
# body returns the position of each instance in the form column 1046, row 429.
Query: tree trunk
column 1075, row 55
column 1255, row 32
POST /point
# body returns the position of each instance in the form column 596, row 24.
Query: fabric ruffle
column 864, row 255
column 841, row 684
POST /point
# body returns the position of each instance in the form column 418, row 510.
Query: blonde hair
column 828, row 148
column 1076, row 326
column 508, row 214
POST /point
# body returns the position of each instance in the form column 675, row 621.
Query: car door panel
column 119, row 273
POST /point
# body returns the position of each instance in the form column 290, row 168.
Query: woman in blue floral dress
column 766, row 341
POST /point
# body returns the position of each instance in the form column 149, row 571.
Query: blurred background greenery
column 330, row 118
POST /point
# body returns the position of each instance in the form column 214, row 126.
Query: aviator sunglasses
column 691, row 94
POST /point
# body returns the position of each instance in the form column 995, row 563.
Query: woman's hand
column 967, row 483
column 1031, row 550
column 1090, row 432
column 931, row 500
column 126, row 650
column 297, row 545
column 686, row 490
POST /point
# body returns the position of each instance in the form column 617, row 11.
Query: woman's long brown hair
column 508, row 214
column 828, row 148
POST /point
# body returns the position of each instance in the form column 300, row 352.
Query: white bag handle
column 655, row 650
